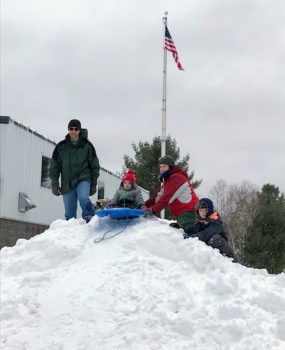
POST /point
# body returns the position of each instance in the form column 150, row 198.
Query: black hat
column 74, row 122
column 167, row 160
column 206, row 203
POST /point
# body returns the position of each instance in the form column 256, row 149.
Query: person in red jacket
column 176, row 192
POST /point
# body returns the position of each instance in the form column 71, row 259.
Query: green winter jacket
column 75, row 163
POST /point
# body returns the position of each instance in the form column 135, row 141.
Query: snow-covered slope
column 146, row 288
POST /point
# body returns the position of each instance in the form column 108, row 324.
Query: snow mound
column 145, row 288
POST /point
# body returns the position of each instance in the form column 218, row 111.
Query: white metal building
column 25, row 159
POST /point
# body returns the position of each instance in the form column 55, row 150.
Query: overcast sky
column 101, row 62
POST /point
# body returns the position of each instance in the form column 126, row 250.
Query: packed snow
column 146, row 288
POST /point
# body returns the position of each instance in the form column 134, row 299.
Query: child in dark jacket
column 128, row 195
column 209, row 229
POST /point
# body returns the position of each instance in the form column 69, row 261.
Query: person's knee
column 216, row 241
column 83, row 197
column 219, row 242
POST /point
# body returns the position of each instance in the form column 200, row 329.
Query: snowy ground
column 146, row 288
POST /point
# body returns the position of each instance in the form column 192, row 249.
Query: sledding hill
column 146, row 288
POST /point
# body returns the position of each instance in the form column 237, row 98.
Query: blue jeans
column 81, row 193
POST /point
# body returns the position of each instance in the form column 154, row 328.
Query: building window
column 45, row 180
column 101, row 189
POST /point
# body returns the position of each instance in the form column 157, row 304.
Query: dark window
column 45, row 180
column 101, row 189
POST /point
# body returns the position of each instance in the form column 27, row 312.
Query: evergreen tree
column 265, row 243
column 145, row 163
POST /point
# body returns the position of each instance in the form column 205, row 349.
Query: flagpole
column 163, row 131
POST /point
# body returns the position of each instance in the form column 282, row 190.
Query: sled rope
column 97, row 240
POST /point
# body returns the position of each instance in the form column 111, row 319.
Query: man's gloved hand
column 174, row 225
column 55, row 188
column 92, row 189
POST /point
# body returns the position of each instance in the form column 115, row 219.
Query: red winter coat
column 176, row 192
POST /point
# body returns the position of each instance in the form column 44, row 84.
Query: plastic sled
column 120, row 213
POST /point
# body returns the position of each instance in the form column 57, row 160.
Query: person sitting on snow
column 176, row 192
column 128, row 195
column 209, row 229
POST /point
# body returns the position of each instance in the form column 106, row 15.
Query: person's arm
column 173, row 185
column 213, row 228
column 139, row 199
column 94, row 164
column 55, row 168
column 55, row 171
column 151, row 201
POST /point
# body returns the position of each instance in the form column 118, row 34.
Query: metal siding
column 20, row 171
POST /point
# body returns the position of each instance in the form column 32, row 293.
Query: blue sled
column 120, row 213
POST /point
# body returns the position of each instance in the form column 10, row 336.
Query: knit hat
column 74, row 123
column 205, row 203
column 167, row 160
column 129, row 176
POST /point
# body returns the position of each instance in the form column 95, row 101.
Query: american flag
column 169, row 45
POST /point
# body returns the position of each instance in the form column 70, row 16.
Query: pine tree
column 145, row 163
column 265, row 243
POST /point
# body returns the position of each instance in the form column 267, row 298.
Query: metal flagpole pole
column 163, row 132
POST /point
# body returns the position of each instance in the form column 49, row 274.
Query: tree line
column 254, row 219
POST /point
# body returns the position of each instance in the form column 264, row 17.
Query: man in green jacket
column 75, row 160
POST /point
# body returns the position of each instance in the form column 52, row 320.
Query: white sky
column 101, row 62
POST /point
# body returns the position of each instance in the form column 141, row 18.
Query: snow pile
column 146, row 288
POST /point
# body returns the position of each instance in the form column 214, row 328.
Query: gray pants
column 219, row 242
